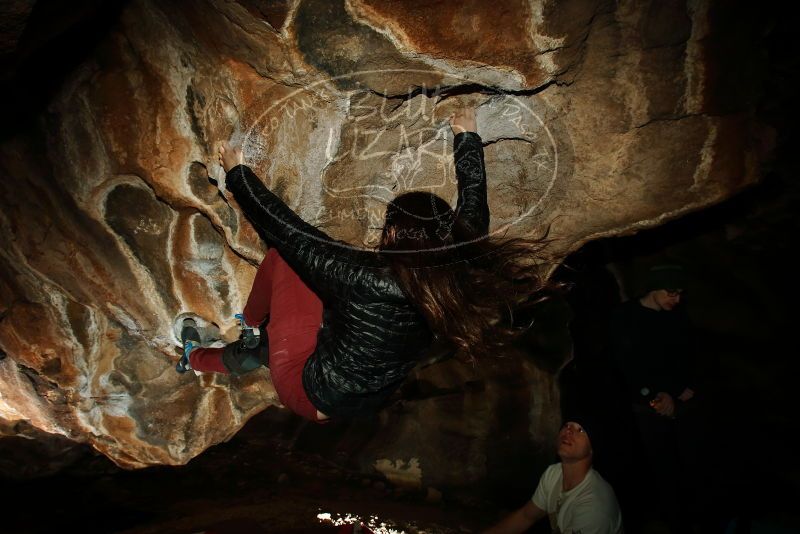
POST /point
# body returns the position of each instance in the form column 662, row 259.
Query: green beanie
column 665, row 277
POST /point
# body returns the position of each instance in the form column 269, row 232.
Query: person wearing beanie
column 571, row 494
column 651, row 343
column 665, row 285
column 650, row 340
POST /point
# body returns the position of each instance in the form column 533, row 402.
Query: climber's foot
column 208, row 331
column 190, row 337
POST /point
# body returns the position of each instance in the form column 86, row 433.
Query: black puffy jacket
column 372, row 335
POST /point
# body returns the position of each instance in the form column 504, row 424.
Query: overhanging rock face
column 599, row 118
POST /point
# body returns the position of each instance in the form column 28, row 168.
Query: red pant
column 295, row 317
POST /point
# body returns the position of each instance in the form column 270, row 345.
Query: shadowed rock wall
column 599, row 118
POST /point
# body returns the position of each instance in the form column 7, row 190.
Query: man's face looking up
column 573, row 443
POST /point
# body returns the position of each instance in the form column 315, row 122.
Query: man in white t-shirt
column 571, row 494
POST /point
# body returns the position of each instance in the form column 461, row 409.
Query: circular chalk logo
column 339, row 156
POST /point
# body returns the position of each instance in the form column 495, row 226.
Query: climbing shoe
column 190, row 338
column 250, row 336
column 250, row 352
column 208, row 331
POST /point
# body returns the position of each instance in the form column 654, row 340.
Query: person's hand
column 663, row 404
column 463, row 120
column 686, row 395
column 229, row 157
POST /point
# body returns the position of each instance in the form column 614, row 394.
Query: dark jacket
column 372, row 335
column 653, row 349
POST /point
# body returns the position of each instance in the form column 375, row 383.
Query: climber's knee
column 239, row 359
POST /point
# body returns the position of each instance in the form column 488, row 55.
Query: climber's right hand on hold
column 463, row 120
column 229, row 157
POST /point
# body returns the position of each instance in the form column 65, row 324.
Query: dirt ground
column 251, row 484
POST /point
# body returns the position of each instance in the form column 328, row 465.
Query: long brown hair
column 467, row 286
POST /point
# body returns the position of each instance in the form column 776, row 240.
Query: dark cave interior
column 743, row 315
column 278, row 473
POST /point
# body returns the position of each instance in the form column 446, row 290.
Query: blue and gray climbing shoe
column 250, row 336
column 209, row 332
column 190, row 338
column 249, row 352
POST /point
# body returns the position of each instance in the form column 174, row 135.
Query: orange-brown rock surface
column 599, row 118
